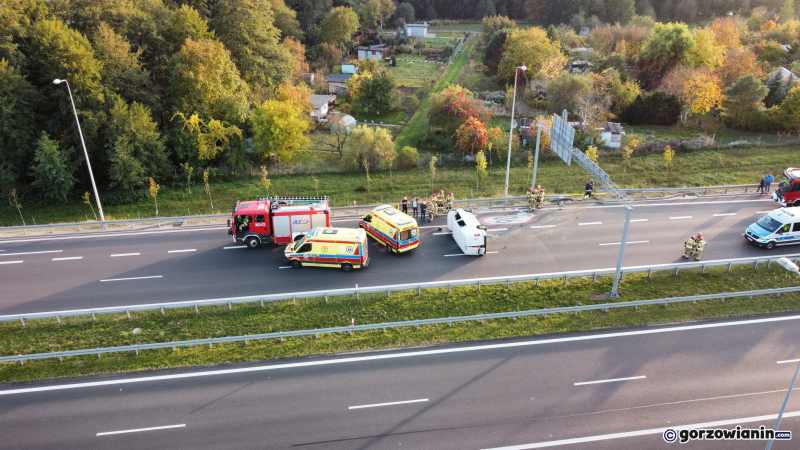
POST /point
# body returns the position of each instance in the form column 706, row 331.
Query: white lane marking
column 680, row 217
column 284, row 267
column 183, row 251
column 590, row 223
column 638, row 220
column 761, row 212
column 629, row 242
column 543, row 226
column 32, row 253
column 388, row 404
column 439, row 234
column 234, row 246
column 728, row 214
column 100, row 234
column 141, row 429
column 789, row 361
column 678, row 204
column 612, row 380
column 68, row 259
column 134, row 278
column 488, row 253
column 125, row 254
column 399, row 355
column 603, row 437
column 10, row 262
column 498, row 229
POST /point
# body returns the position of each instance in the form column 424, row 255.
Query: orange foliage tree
column 697, row 89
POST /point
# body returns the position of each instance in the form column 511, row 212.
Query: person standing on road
column 688, row 247
column 423, row 208
column 589, row 188
column 699, row 243
column 415, row 205
column 769, row 179
column 762, row 186
column 405, row 205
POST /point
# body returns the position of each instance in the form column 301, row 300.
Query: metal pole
column 613, row 293
column 785, row 402
column 536, row 156
column 511, row 131
column 86, row 154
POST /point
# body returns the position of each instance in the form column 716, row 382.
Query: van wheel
column 347, row 267
column 296, row 264
column 298, row 237
column 770, row 245
column 252, row 242
column 389, row 248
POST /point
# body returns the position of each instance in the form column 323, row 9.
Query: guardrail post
column 23, row 322
column 704, row 269
column 60, row 358
column 419, row 290
column 21, row 362
column 565, row 280
column 128, row 312
column 162, row 311
column 197, row 310
column 723, row 299
column 649, row 273
column 635, row 307
column 326, row 300
column 98, row 356
column 768, row 263
column 479, row 286
column 755, row 266
column 94, row 319
column 694, row 302
column 209, row 345
column 537, row 281
column 594, row 277
column 449, row 288
column 58, row 319
column 294, row 301
column 508, row 284
column 137, row 351
column 388, row 293
column 676, row 271
column 729, row 267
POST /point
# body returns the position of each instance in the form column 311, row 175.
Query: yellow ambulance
column 329, row 247
column 397, row 231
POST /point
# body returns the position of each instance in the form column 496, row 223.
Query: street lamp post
column 85, row 153
column 511, row 131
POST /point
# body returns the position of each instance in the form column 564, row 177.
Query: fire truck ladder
column 294, row 200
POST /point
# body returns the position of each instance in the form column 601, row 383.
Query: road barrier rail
column 408, row 323
column 388, row 289
column 686, row 190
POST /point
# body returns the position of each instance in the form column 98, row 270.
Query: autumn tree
column 493, row 51
column 52, row 170
column 480, row 166
column 669, row 46
column 591, row 153
column 737, row 64
column 532, row 47
column 279, row 125
column 727, row 33
column 122, row 71
column 206, row 138
column 339, row 26
column 286, row 20
column 298, row 52
column 565, row 91
column 205, row 81
column 743, row 100
column 452, row 107
column 136, row 149
column 668, row 155
column 472, row 135
column 154, row 187
column 621, row 11
column 378, row 93
column 371, row 145
column 490, row 25
column 787, row 114
column 246, row 28
column 707, row 52
column 697, row 89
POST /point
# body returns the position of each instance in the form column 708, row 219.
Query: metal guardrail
column 695, row 190
column 388, row 289
column 409, row 323
column 183, row 219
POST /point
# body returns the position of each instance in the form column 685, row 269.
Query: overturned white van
column 468, row 233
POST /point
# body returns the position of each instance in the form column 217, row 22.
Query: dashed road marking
column 32, row 253
column 125, row 254
column 68, row 259
column 728, row 214
column 638, row 220
column 590, row 223
column 404, row 402
column 680, row 217
column 183, row 251
column 10, row 262
column 234, row 246
column 141, row 429
column 133, row 278
column 626, row 243
column 543, row 226
column 612, row 380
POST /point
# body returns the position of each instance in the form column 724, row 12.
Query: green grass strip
column 115, row 330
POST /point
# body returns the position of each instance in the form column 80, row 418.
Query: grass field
column 76, row 333
column 695, row 168
column 413, row 74
column 410, row 56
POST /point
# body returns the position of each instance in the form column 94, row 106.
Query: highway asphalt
column 49, row 273
column 565, row 391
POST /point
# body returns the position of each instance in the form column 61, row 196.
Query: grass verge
column 114, row 330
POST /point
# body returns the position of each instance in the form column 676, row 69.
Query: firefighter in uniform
column 431, row 211
column 433, row 198
column 699, row 243
column 538, row 196
column 688, row 247
column 440, row 200
column 450, row 199
column 531, row 198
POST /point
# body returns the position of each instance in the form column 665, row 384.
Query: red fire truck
column 788, row 191
column 277, row 220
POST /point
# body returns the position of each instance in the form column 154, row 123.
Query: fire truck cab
column 277, row 220
column 788, row 192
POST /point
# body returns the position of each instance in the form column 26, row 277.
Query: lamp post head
column 58, row 81
column 523, row 68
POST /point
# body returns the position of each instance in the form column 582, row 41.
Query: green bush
column 407, row 157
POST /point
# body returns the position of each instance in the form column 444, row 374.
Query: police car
column 778, row 227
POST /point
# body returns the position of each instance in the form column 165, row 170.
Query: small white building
column 417, row 29
column 373, row 51
column 320, row 103
column 337, row 82
column 612, row 135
